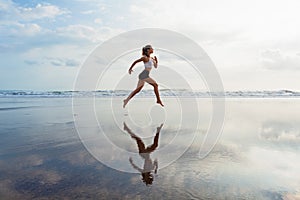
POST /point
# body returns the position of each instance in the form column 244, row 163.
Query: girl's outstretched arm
column 134, row 166
column 137, row 61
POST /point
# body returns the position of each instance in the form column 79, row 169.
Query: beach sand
column 45, row 154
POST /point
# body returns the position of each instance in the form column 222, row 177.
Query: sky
column 254, row 44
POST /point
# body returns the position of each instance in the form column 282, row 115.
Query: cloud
column 282, row 132
column 280, row 167
column 54, row 61
column 25, row 29
column 88, row 12
column 32, row 62
column 98, row 21
column 276, row 60
column 101, row 8
column 78, row 31
column 92, row 7
column 68, row 62
column 21, row 26
column 51, row 56
column 13, row 12
column 88, row 32
column 40, row 11
column 229, row 31
column 196, row 20
column 5, row 5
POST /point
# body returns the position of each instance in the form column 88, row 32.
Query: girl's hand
column 155, row 61
column 130, row 71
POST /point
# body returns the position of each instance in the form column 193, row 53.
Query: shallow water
column 42, row 156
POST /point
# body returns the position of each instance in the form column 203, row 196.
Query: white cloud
column 78, row 30
column 26, row 29
column 87, row 32
column 100, row 8
column 277, row 60
column 68, row 62
column 95, row 6
column 5, row 5
column 254, row 22
column 194, row 18
column 40, row 11
column 88, row 12
column 281, row 132
column 232, row 32
column 53, row 56
column 18, row 21
column 12, row 12
column 281, row 166
column 16, row 33
column 98, row 21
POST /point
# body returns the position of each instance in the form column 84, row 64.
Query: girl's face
column 150, row 50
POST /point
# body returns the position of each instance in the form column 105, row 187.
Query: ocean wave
column 148, row 93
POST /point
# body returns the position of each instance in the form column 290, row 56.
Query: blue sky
column 255, row 45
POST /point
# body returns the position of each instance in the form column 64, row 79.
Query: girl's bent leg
column 155, row 86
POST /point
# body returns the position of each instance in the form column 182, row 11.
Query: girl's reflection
column 144, row 152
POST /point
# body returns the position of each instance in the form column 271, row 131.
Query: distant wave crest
column 148, row 93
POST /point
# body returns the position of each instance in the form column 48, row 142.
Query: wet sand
column 42, row 155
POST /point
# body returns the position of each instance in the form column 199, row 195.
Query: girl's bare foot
column 158, row 128
column 125, row 101
column 159, row 102
column 125, row 127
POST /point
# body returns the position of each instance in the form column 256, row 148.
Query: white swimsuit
column 145, row 73
column 149, row 64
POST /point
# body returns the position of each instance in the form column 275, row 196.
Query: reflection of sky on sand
column 111, row 145
column 264, row 136
column 257, row 156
